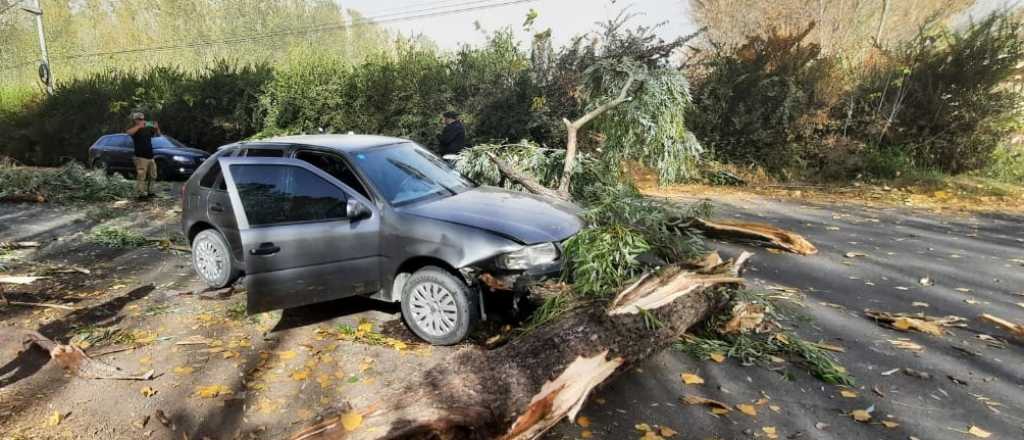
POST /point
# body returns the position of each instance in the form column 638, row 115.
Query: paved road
column 901, row 247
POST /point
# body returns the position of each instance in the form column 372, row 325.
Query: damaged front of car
column 531, row 231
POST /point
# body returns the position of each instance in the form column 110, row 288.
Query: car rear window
column 213, row 179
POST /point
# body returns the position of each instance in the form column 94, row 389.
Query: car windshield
column 405, row 173
column 166, row 142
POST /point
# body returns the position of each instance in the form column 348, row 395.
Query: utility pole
column 45, row 74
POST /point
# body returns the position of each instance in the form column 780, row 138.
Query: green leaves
column 603, row 258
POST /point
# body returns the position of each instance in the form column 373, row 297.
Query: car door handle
column 217, row 208
column 265, row 249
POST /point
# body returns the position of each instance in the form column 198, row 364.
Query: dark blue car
column 114, row 153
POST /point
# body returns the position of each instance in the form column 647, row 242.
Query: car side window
column 213, row 179
column 123, row 141
column 262, row 152
column 279, row 194
column 335, row 166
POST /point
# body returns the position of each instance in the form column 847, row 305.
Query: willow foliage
column 650, row 128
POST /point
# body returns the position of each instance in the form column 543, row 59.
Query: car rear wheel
column 438, row 307
column 211, row 259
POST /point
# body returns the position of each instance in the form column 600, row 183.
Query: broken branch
column 770, row 235
column 528, row 182
column 572, row 130
column 1017, row 329
column 76, row 361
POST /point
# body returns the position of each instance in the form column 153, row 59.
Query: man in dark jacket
column 452, row 139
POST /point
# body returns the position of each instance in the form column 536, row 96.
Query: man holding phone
column 142, row 133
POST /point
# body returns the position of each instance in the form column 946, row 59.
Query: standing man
column 452, row 139
column 142, row 133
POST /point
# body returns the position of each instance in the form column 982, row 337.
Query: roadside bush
column 404, row 93
column 204, row 109
column 760, row 101
column 942, row 97
column 1007, row 164
column 70, row 183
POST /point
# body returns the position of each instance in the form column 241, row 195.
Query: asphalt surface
column 900, row 248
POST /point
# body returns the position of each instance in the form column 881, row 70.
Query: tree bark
column 524, row 388
column 573, row 127
column 527, row 181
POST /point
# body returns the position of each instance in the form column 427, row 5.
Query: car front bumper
column 522, row 280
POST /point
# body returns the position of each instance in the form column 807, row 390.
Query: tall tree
column 842, row 26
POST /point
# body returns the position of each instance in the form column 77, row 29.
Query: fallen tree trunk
column 522, row 389
column 770, row 235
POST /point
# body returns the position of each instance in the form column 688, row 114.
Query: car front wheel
column 440, row 308
column 211, row 259
column 100, row 164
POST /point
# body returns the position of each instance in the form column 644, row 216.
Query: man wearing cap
column 142, row 133
column 452, row 139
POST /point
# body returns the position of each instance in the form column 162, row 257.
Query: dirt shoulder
column 218, row 373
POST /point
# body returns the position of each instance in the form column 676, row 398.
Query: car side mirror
column 355, row 210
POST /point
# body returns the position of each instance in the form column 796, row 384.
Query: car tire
column 211, row 259
column 100, row 164
column 439, row 307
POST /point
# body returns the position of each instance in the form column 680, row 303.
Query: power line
column 376, row 20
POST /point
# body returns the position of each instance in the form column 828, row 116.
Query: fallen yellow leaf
column 183, row 371
column 848, row 394
column 665, row 431
column 860, row 415
column 583, row 421
column 717, row 357
column 717, row 407
column 300, row 375
column 285, row 355
column 365, row 327
column 586, row 434
column 978, row 432
column 351, row 420
column 54, row 419
column 147, row 391
column 747, row 409
column 923, row 326
column 692, row 379
column 769, row 431
column 212, row 391
column 889, row 424
column 643, row 427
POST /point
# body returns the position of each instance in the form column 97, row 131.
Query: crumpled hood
column 524, row 217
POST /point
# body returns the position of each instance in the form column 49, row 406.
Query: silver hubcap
column 433, row 309
column 209, row 260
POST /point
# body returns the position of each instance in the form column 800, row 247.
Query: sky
column 566, row 17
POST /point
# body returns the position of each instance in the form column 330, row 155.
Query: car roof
column 344, row 142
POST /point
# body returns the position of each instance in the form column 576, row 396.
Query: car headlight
column 528, row 257
column 184, row 159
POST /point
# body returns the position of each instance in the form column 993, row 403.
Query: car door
column 298, row 243
column 123, row 151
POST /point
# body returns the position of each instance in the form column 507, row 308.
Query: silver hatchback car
column 315, row 218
